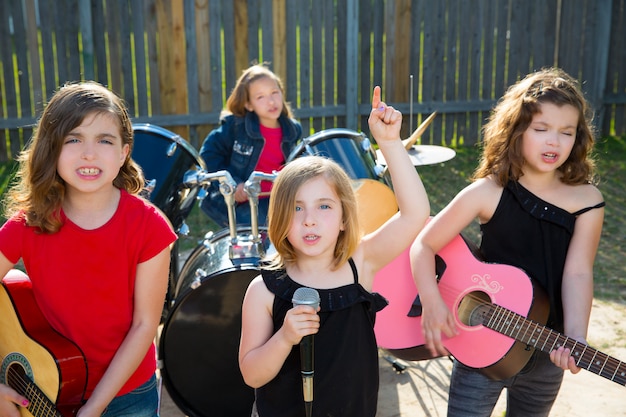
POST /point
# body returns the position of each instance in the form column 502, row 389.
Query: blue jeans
column 141, row 402
column 531, row 392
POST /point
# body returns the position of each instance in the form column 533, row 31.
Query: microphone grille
column 306, row 296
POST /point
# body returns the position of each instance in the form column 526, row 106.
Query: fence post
column 602, row 38
column 84, row 11
column 352, row 75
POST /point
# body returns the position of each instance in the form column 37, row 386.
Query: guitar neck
column 529, row 332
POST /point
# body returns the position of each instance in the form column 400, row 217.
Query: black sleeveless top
column 345, row 382
column 533, row 235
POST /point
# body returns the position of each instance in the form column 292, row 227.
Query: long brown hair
column 38, row 190
column 283, row 202
column 240, row 96
column 502, row 135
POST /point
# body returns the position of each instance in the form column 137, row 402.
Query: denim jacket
column 236, row 145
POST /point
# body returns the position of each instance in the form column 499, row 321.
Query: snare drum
column 164, row 158
column 199, row 344
column 352, row 150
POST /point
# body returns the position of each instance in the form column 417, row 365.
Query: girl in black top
column 314, row 227
column 538, row 210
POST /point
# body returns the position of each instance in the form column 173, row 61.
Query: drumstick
column 410, row 141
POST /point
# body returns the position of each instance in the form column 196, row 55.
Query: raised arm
column 397, row 233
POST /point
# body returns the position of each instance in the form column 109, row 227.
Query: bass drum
column 199, row 343
column 165, row 157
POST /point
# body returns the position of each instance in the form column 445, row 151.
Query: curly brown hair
column 38, row 190
column 502, row 135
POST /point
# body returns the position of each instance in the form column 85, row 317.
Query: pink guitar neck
column 545, row 339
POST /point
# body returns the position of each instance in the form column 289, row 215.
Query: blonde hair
column 38, row 190
column 502, row 135
column 283, row 201
column 240, row 96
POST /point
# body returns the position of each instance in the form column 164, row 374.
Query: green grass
column 443, row 181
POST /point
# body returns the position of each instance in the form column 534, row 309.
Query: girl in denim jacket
column 257, row 132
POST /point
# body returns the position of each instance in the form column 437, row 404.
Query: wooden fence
column 175, row 62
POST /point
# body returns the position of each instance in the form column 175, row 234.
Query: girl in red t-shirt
column 96, row 253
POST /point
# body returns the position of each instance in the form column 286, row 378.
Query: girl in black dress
column 314, row 227
column 539, row 211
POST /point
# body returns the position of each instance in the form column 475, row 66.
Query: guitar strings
column 611, row 364
column 586, row 356
column 25, row 386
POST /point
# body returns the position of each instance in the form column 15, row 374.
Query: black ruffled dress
column 345, row 382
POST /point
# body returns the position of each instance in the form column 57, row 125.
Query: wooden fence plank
column 350, row 67
column 23, row 80
column 99, row 43
column 127, row 88
column 474, row 71
column 501, row 40
column 398, row 48
column 50, row 80
column 6, row 57
column 141, row 69
column 290, row 81
column 86, row 34
column 231, row 42
column 304, row 89
column 451, row 70
column 32, row 43
column 317, row 25
column 219, row 95
column 414, row 68
column 462, row 91
column 596, row 69
column 341, row 51
column 615, row 81
column 113, row 18
column 329, row 67
column 265, row 49
column 489, row 36
column 279, row 63
column 191, row 55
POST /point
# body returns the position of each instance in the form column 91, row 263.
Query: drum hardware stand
column 171, row 150
column 252, row 187
column 397, row 366
column 227, row 188
column 411, row 103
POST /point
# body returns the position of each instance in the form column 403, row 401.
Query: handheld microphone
column 310, row 297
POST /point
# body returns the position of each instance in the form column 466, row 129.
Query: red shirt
column 272, row 158
column 84, row 280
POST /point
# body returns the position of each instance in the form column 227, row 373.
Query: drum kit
column 199, row 340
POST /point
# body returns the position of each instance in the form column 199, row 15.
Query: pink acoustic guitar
column 498, row 311
column 38, row 362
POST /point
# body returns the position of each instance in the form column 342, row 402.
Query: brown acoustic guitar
column 37, row 361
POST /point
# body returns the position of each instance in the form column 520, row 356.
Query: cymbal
column 423, row 155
